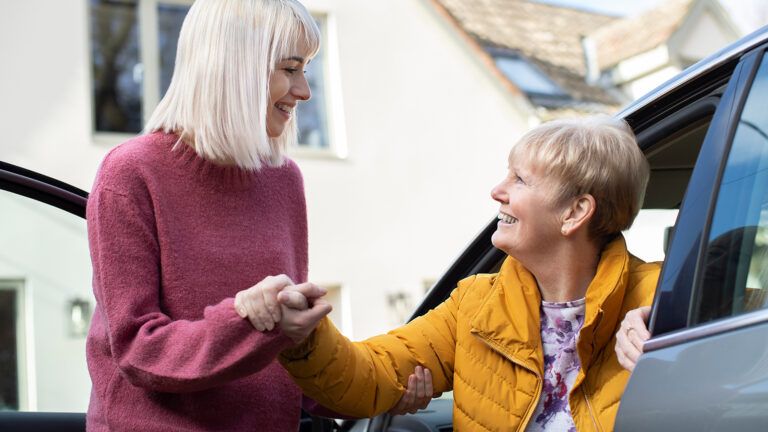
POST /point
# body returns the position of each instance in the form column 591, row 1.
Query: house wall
column 644, row 84
column 699, row 36
column 427, row 130
column 703, row 37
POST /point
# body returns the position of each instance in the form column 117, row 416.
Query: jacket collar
column 509, row 318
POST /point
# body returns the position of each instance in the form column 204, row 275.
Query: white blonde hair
column 218, row 98
column 596, row 155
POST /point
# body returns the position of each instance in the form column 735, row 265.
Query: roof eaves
column 482, row 54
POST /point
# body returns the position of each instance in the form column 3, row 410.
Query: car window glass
column 45, row 307
column 735, row 278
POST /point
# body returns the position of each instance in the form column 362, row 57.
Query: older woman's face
column 287, row 86
column 529, row 219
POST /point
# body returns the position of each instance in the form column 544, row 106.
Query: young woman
column 203, row 205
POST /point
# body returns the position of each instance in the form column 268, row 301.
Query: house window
column 11, row 380
column 117, row 71
column 524, row 75
column 133, row 51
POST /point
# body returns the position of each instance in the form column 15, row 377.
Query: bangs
column 296, row 34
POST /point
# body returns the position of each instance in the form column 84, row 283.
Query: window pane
column 313, row 132
column 9, row 379
column 117, row 72
column 526, row 76
column 170, row 18
column 45, row 251
column 735, row 279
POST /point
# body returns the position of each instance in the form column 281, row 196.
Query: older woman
column 530, row 347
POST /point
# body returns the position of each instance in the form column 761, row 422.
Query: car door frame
column 684, row 268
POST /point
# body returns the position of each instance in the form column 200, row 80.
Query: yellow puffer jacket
column 484, row 343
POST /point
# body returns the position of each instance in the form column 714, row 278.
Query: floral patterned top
column 560, row 325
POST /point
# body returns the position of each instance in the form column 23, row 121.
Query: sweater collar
column 205, row 171
column 509, row 318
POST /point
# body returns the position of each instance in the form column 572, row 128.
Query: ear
column 578, row 214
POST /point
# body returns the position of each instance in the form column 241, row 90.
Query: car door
column 706, row 366
column 45, row 303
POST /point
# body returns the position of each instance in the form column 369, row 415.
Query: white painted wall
column 704, row 36
column 427, row 129
column 640, row 86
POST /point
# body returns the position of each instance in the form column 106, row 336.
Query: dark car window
column 735, row 276
column 45, row 305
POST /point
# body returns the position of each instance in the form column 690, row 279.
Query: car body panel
column 712, row 383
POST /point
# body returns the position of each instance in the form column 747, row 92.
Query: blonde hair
column 595, row 155
column 218, row 97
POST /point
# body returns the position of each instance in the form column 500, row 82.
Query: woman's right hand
column 302, row 310
column 632, row 333
column 259, row 302
column 297, row 311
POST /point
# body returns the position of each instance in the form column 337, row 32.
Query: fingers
column 270, row 287
column 428, row 390
column 293, row 300
column 417, row 395
column 298, row 324
column 623, row 360
column 631, row 337
column 259, row 303
column 309, row 290
column 320, row 309
column 406, row 402
column 239, row 308
column 269, row 299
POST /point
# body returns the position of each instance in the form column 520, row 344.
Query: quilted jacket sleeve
column 367, row 378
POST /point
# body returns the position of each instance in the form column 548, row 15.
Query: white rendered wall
column 703, row 36
column 428, row 131
column 427, row 128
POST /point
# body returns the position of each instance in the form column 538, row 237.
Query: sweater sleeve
column 364, row 379
column 152, row 350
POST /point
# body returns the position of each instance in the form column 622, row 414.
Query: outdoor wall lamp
column 79, row 317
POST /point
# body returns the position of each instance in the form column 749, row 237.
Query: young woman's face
column 529, row 218
column 287, row 86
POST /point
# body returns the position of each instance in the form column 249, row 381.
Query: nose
column 300, row 88
column 499, row 193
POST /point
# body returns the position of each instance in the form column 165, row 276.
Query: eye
column 291, row 71
column 517, row 179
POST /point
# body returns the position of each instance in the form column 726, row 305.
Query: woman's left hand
column 631, row 336
column 418, row 394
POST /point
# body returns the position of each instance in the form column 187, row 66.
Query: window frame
column 758, row 58
column 147, row 12
column 671, row 319
column 24, row 377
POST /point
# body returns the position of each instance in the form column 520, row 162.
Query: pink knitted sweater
column 173, row 238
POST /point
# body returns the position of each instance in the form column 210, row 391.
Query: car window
column 45, row 307
column 734, row 279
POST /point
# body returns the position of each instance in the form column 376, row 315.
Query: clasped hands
column 276, row 301
column 297, row 309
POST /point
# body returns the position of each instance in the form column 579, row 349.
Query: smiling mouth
column 284, row 108
column 506, row 218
